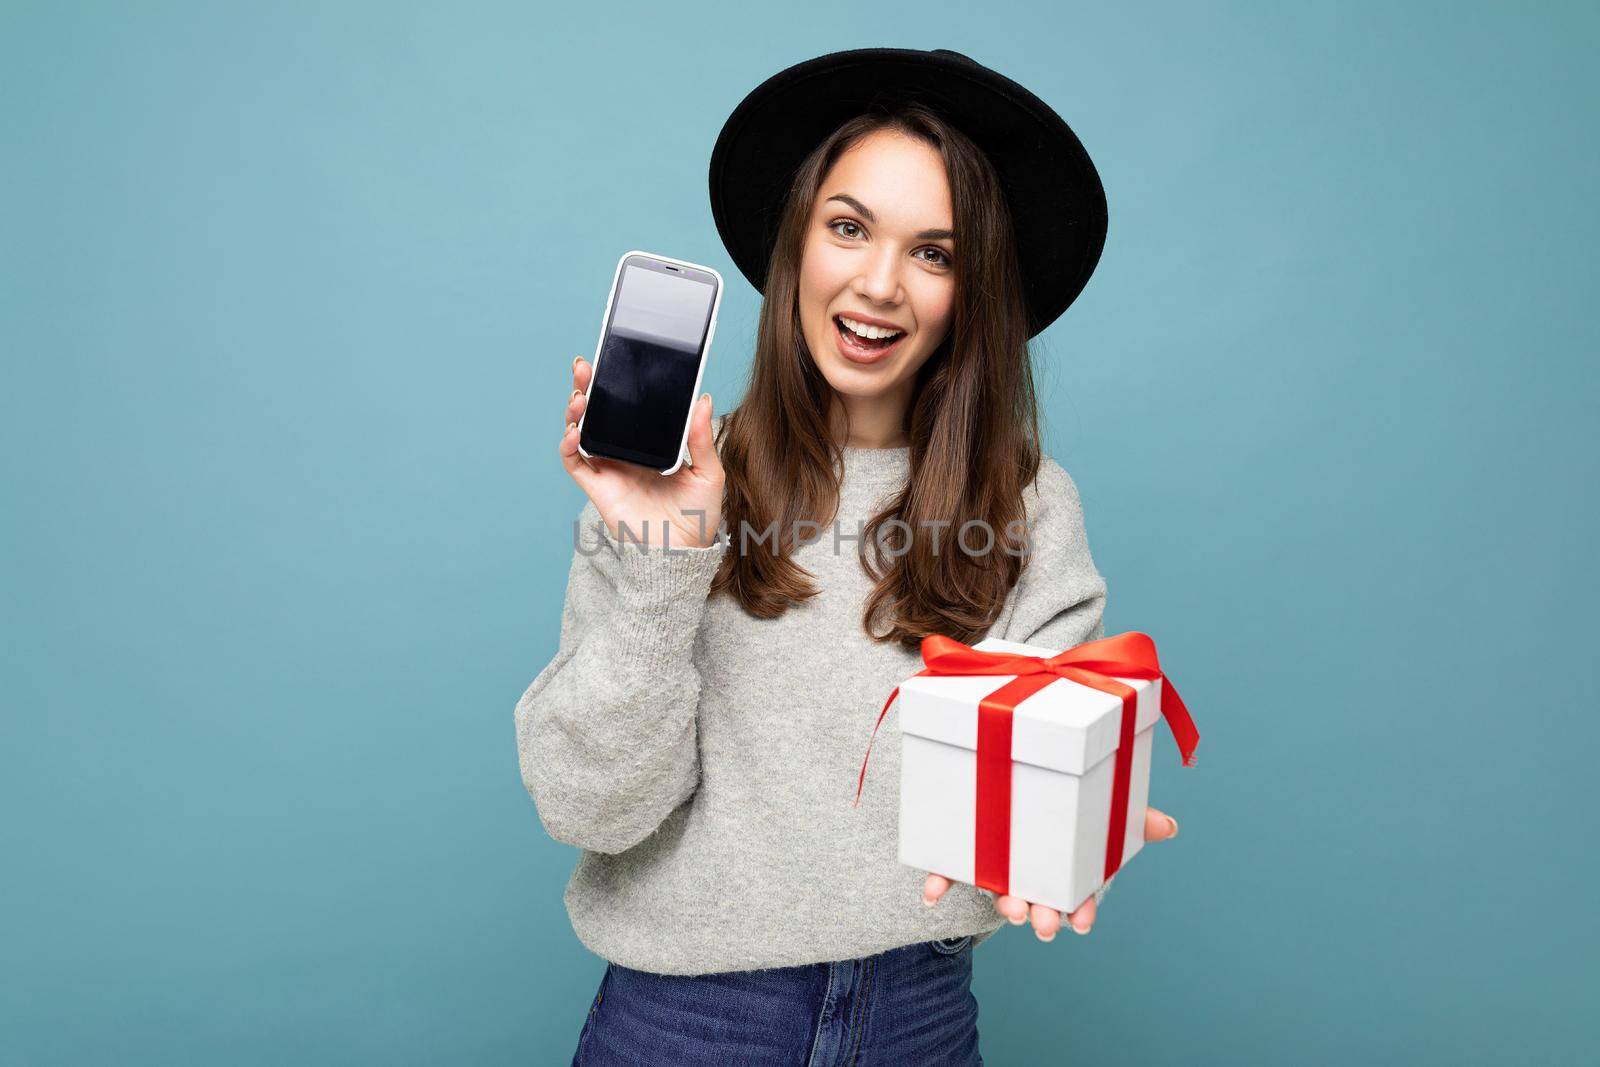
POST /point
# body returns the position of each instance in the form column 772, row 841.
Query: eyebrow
column 866, row 213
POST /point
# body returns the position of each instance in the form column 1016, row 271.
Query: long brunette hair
column 972, row 423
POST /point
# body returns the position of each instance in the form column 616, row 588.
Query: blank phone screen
column 645, row 374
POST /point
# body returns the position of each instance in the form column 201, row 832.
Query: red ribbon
column 1127, row 655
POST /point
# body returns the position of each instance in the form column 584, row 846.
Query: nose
column 880, row 278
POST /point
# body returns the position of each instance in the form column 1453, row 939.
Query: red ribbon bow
column 1127, row 655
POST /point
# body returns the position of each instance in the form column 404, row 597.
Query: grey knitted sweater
column 705, row 761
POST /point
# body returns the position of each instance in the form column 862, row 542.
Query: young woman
column 700, row 731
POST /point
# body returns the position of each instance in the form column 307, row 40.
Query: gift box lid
column 1066, row 726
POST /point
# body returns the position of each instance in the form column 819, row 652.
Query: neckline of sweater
column 876, row 465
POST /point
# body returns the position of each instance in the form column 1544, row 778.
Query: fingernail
column 571, row 426
column 1078, row 931
column 1174, row 823
column 575, row 393
column 928, row 902
column 576, row 360
column 706, row 397
column 1047, row 937
column 1019, row 922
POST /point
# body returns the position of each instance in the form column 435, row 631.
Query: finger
column 1158, row 825
column 577, row 400
column 1013, row 908
column 1046, row 921
column 569, row 446
column 702, row 452
column 573, row 460
column 1082, row 919
column 934, row 888
column 581, row 373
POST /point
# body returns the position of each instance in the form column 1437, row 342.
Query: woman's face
column 879, row 252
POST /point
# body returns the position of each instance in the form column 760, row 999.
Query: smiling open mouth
column 859, row 339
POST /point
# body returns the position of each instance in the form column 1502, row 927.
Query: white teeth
column 875, row 332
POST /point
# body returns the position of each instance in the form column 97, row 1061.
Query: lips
column 858, row 349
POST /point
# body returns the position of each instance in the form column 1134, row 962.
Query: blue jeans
column 908, row 1007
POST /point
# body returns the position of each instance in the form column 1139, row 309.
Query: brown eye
column 942, row 261
column 844, row 222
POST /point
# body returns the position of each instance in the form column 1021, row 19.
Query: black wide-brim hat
column 1058, row 206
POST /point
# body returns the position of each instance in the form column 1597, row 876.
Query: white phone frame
column 705, row 350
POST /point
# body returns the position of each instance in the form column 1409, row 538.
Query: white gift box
column 1063, row 746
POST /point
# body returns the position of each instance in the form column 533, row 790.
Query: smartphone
column 654, row 339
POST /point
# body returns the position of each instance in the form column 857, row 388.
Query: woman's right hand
column 640, row 498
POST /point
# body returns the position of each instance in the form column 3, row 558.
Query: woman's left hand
column 1158, row 826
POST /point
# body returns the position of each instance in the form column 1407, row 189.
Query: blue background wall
column 288, row 295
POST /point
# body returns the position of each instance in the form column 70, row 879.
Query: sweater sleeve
column 1061, row 596
column 606, row 734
